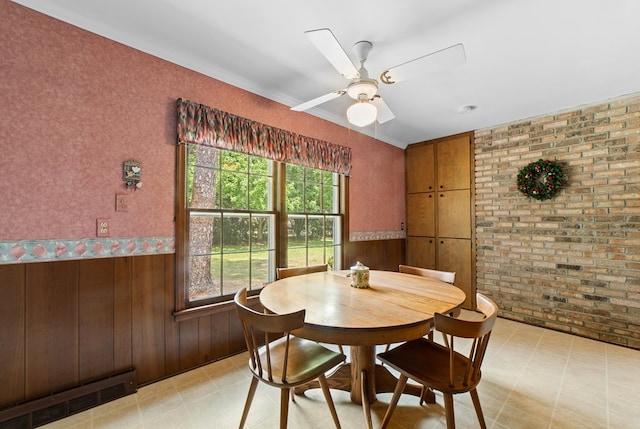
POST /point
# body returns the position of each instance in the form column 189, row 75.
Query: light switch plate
column 122, row 202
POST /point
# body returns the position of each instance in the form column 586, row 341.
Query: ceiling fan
column 368, row 105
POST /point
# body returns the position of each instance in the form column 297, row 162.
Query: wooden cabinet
column 421, row 161
column 421, row 252
column 454, row 213
column 454, row 254
column 421, row 214
column 453, row 162
column 440, row 226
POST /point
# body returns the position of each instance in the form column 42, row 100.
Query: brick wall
column 571, row 263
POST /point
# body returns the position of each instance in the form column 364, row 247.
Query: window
column 314, row 220
column 231, row 222
column 226, row 233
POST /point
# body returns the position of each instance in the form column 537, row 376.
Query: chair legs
column 476, row 405
column 327, row 396
column 448, row 408
column 366, row 406
column 402, row 382
column 284, row 408
column 285, row 395
column 247, row 404
column 448, row 405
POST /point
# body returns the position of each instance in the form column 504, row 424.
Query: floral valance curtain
column 207, row 126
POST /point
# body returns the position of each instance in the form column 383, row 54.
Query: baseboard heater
column 54, row 407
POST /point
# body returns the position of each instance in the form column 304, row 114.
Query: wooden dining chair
column 283, row 273
column 298, row 271
column 444, row 276
column 441, row 367
column 286, row 362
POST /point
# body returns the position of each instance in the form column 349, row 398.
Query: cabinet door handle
column 430, row 195
column 441, row 242
column 441, row 195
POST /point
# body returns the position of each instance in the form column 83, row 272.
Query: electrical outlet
column 103, row 227
column 122, row 202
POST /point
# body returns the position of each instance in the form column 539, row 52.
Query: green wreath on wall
column 542, row 179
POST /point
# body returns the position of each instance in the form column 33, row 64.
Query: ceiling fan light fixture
column 362, row 113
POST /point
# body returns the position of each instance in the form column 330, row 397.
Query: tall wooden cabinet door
column 420, row 168
column 454, row 213
column 421, row 214
column 421, row 252
column 454, row 157
column 455, row 255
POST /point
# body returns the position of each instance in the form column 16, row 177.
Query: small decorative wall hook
column 131, row 174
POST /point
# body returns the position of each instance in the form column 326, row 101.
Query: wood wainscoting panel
column 205, row 346
column 122, row 317
column 188, row 342
column 51, row 339
column 171, row 328
column 12, row 328
column 95, row 318
column 235, row 337
column 66, row 323
column 148, row 307
column 220, row 333
column 384, row 255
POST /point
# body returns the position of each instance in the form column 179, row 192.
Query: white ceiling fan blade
column 384, row 113
column 328, row 45
column 439, row 60
column 319, row 100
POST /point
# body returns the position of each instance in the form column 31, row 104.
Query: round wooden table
column 396, row 307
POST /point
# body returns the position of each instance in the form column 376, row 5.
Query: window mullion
column 281, row 209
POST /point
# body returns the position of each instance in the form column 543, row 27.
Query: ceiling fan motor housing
column 359, row 88
column 366, row 87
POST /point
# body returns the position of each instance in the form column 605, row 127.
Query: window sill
column 206, row 310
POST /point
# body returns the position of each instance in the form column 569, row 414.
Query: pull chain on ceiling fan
column 368, row 105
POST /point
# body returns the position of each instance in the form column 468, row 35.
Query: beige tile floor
column 532, row 378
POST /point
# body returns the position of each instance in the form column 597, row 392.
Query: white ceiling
column 524, row 57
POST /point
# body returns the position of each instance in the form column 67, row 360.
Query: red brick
column 524, row 246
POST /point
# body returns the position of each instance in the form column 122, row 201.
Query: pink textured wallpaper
column 76, row 105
